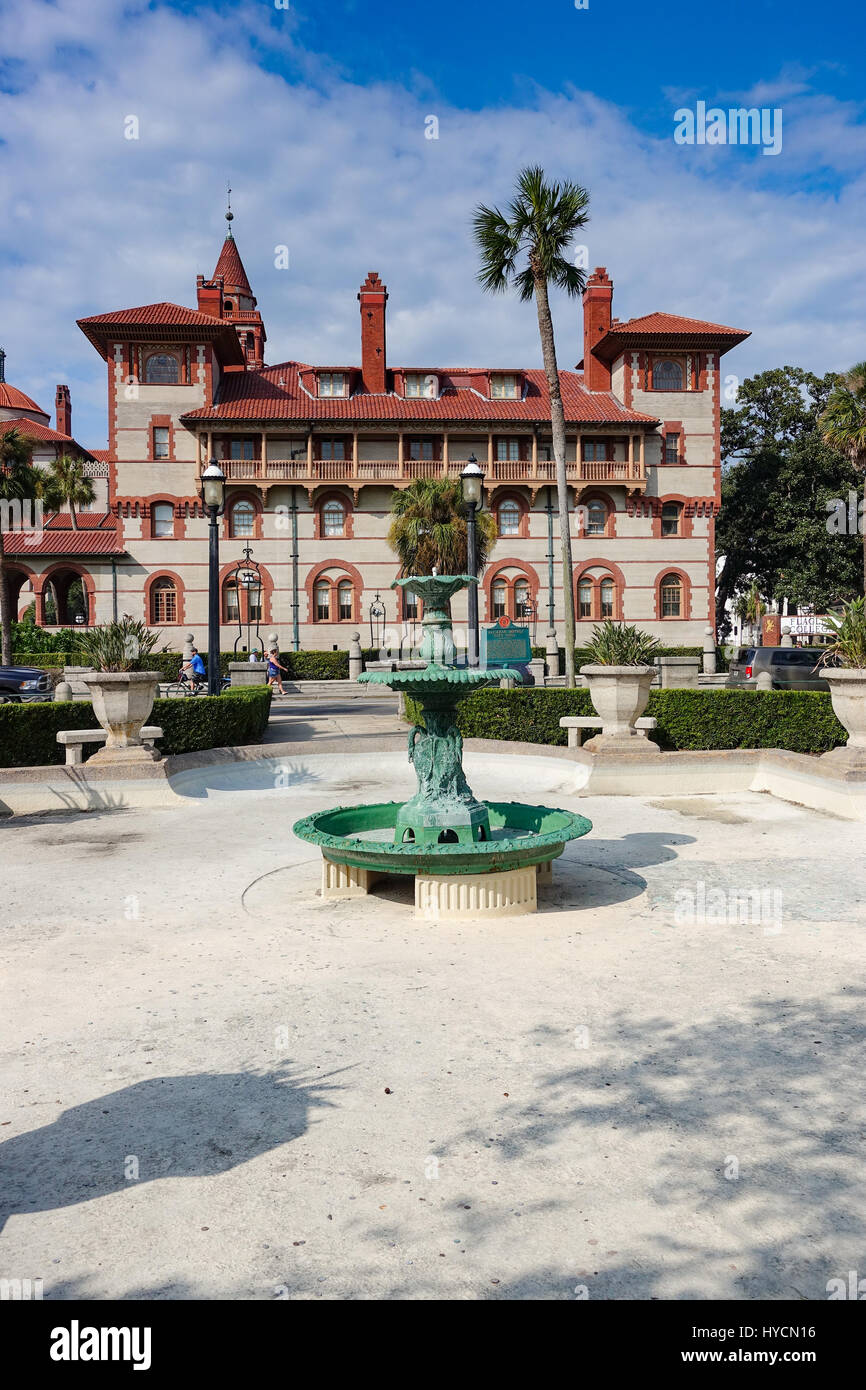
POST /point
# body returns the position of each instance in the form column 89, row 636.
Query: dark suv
column 791, row 668
column 21, row 684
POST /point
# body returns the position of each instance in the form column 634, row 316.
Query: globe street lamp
column 213, row 495
column 472, row 479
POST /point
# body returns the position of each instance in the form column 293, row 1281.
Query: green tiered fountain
column 470, row 858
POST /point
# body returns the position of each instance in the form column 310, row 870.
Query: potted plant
column 122, row 696
column 848, row 679
column 619, row 679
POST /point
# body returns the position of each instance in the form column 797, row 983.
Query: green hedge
column 801, row 721
column 28, row 733
column 302, row 666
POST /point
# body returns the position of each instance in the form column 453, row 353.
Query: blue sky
column 317, row 115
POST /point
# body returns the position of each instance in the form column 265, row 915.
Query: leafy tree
column 843, row 425
column 429, row 528
column 525, row 249
column 66, row 484
column 17, row 484
column 779, row 475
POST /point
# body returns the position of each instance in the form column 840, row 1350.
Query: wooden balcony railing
column 630, row 473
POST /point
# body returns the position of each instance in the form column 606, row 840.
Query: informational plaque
column 505, row 644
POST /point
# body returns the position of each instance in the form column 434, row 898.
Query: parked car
column 22, row 684
column 791, row 668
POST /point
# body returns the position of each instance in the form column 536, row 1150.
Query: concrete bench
column 577, row 725
column 74, row 740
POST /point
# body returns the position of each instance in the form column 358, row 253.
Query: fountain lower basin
column 469, row 858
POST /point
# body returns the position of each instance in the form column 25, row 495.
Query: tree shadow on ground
column 197, row 1125
column 750, row 1128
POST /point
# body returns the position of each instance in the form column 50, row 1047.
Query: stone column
column 188, row 644
column 356, row 661
column 709, row 666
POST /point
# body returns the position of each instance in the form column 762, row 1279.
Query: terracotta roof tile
column 13, row 399
column 674, row 323
column 163, row 313
column 231, row 268
column 97, row 535
column 259, row 396
column 34, row 429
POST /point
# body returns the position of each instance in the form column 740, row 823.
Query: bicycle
column 184, row 686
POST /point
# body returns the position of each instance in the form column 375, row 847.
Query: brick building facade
column 313, row 454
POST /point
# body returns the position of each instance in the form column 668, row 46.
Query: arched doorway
column 65, row 600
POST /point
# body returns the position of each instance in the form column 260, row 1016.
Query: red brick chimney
column 63, row 411
column 373, row 297
column 597, row 305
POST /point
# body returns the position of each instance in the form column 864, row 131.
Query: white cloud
column 344, row 176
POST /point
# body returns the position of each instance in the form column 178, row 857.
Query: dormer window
column 421, row 384
column 333, row 384
column 505, row 386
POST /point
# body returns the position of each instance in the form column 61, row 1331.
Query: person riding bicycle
column 194, row 670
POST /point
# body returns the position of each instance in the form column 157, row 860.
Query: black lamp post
column 472, row 479
column 213, row 495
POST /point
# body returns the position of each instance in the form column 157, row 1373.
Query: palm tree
column 750, row 608
column 843, row 425
column 429, row 528
column 540, row 224
column 17, row 484
column 66, row 484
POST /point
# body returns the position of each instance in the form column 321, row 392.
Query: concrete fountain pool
column 469, row 858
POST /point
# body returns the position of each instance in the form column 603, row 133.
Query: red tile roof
column 34, row 429
column 652, row 327
column 165, row 316
column 102, row 455
column 231, row 267
column 258, row 396
column 674, row 323
column 97, row 535
column 13, row 399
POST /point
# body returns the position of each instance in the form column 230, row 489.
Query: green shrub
column 28, row 733
column 231, row 720
column 801, row 721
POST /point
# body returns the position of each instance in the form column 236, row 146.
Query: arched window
column 344, row 600
column 161, row 369
column 499, row 598
column 521, row 597
column 509, row 518
column 333, row 518
column 163, row 602
column 667, row 375
column 322, row 599
column 596, row 518
column 231, row 602
column 671, row 591
column 162, row 520
column 228, row 306
column 584, row 598
column 671, row 513
column 606, row 589
column 242, row 519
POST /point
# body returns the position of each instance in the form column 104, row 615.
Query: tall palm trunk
column 72, row 516
column 557, row 423
column 5, row 610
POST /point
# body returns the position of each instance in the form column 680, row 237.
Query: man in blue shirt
column 195, row 668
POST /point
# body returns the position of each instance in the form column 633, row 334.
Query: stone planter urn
column 620, row 695
column 848, row 695
column 122, row 701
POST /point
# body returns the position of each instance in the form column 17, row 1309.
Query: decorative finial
column 229, row 214
column 2, row 365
